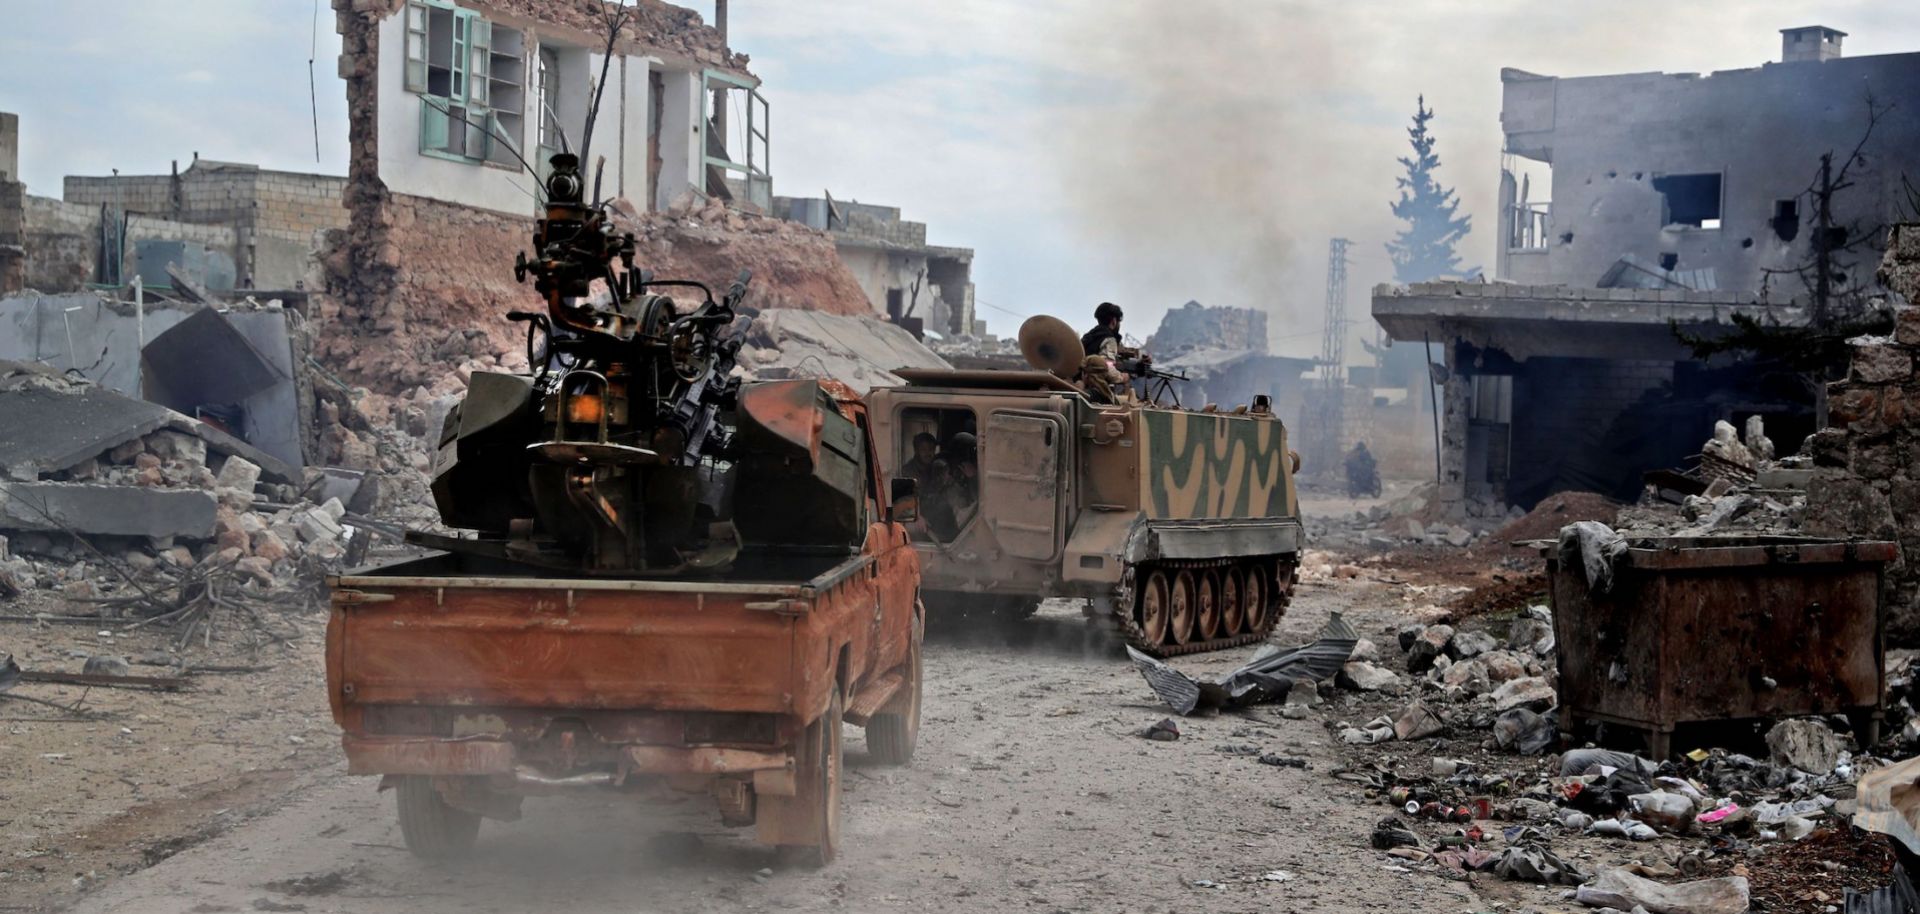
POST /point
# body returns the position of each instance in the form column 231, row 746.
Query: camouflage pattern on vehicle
column 1181, row 526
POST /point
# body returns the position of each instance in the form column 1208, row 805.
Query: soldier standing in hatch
column 1104, row 373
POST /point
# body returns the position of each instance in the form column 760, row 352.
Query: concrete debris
column 134, row 511
column 860, row 350
column 1808, row 745
column 50, row 423
column 1466, row 645
column 1362, row 676
column 1530, row 692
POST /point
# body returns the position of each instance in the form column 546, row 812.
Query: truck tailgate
column 577, row 644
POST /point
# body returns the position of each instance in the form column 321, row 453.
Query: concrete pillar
column 1456, row 398
column 13, row 236
column 682, row 143
column 9, row 146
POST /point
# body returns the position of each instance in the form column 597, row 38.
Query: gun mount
column 614, row 455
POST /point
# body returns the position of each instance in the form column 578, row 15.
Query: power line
column 313, row 95
column 1000, row 309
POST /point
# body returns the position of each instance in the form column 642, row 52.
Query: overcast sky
column 1141, row 152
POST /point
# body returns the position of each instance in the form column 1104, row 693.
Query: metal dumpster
column 1721, row 628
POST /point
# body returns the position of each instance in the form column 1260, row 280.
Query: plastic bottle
column 1667, row 811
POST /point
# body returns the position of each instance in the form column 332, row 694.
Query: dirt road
column 1031, row 792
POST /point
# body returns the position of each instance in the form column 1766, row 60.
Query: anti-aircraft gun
column 612, row 456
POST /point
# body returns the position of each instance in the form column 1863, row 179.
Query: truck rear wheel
column 819, row 786
column 891, row 735
column 433, row 829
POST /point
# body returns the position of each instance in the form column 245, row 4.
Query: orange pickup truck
column 467, row 685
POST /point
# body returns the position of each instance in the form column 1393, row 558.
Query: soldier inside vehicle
column 944, row 462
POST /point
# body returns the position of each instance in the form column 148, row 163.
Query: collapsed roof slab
column 103, row 510
column 45, row 431
column 1560, row 321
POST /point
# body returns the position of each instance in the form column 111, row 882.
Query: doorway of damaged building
column 1547, row 425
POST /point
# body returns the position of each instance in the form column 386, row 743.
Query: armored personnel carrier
column 1181, row 526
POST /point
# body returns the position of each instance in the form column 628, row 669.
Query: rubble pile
column 1410, row 520
column 1471, row 709
column 860, row 351
column 793, row 266
column 131, row 496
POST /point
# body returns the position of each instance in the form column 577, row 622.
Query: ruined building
column 1223, row 352
column 224, row 226
column 907, row 280
column 445, row 100
column 1670, row 199
column 1698, row 175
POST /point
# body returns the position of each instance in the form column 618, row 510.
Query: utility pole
column 1325, row 407
column 1333, row 341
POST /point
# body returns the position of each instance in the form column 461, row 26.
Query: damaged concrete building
column 908, row 281
column 1669, row 198
column 223, row 226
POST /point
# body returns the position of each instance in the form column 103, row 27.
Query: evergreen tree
column 1423, row 251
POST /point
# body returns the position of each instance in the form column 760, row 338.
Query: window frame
column 469, row 98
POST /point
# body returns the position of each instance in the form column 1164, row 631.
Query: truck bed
column 429, row 632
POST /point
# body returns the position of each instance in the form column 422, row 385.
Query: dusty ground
column 134, row 775
column 1031, row 792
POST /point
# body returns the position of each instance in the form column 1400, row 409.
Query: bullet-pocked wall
column 1696, row 172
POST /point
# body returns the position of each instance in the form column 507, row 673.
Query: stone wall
column 62, row 242
column 1866, row 482
column 271, row 218
column 1196, row 326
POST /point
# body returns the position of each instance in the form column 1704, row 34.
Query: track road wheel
column 1207, row 604
column 1258, row 595
column 1232, row 611
column 433, row 830
column 1153, row 598
column 818, row 780
column 891, row 734
column 1180, row 609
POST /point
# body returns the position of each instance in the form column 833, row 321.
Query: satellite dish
column 1050, row 345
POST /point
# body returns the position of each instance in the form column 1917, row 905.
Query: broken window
column 1692, row 200
column 738, row 139
column 1786, row 219
column 1529, row 214
column 470, row 76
